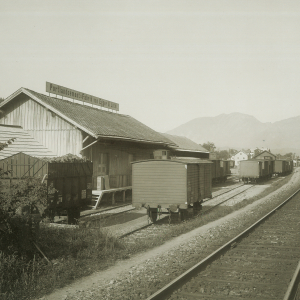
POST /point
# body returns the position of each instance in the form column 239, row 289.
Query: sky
column 165, row 62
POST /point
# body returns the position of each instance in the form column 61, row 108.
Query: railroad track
column 221, row 192
column 106, row 213
column 218, row 200
column 258, row 264
column 149, row 229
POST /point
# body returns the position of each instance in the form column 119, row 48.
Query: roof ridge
column 70, row 100
column 98, row 123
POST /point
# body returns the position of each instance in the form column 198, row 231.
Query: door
column 101, row 169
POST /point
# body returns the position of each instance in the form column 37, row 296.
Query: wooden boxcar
column 291, row 166
column 170, row 185
column 283, row 167
column 72, row 180
column 255, row 170
column 220, row 170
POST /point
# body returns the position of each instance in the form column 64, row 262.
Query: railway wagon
column 170, row 186
column 220, row 170
column 255, row 170
column 71, row 180
column 291, row 166
column 282, row 167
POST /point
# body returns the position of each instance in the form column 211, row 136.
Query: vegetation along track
column 106, row 213
column 163, row 224
column 257, row 264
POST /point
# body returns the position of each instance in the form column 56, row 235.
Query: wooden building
column 265, row 155
column 22, row 141
column 110, row 140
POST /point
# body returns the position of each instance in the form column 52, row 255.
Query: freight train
column 220, row 170
column 165, row 186
column 256, row 170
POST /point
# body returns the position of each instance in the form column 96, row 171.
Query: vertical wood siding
column 192, row 183
column 49, row 129
column 21, row 165
column 120, row 157
column 206, row 191
column 159, row 183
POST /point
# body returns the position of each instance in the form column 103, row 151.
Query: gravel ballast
column 145, row 273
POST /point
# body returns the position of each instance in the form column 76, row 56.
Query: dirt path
column 85, row 287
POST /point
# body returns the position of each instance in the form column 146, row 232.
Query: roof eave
column 23, row 90
column 186, row 150
column 133, row 140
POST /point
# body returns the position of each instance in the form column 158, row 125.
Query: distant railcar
column 175, row 185
column 283, row 167
column 220, row 170
column 291, row 166
column 255, row 170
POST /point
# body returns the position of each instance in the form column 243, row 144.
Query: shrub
column 20, row 213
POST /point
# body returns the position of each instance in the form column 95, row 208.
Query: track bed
column 260, row 266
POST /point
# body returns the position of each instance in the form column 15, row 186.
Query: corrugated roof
column 184, row 144
column 23, row 142
column 94, row 121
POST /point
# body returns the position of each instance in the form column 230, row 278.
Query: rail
column 167, row 290
column 293, row 292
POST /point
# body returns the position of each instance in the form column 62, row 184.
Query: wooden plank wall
column 192, row 183
column 22, row 165
column 120, row 158
column 46, row 127
column 159, row 183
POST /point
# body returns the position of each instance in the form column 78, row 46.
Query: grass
column 75, row 253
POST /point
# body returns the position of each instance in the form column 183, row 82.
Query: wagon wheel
column 153, row 216
column 196, row 207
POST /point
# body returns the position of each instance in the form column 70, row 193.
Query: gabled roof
column 23, row 143
column 264, row 152
column 96, row 122
column 184, row 144
column 241, row 152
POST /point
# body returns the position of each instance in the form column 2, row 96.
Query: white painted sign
column 66, row 92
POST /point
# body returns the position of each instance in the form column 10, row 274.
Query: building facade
column 239, row 157
column 110, row 140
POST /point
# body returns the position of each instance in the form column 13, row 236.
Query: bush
column 21, row 210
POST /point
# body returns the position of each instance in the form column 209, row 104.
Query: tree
column 223, row 154
column 257, row 151
column 289, row 155
column 209, row 146
column 232, row 152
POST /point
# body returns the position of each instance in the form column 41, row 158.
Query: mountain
column 237, row 130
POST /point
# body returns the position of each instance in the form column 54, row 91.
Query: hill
column 237, row 130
